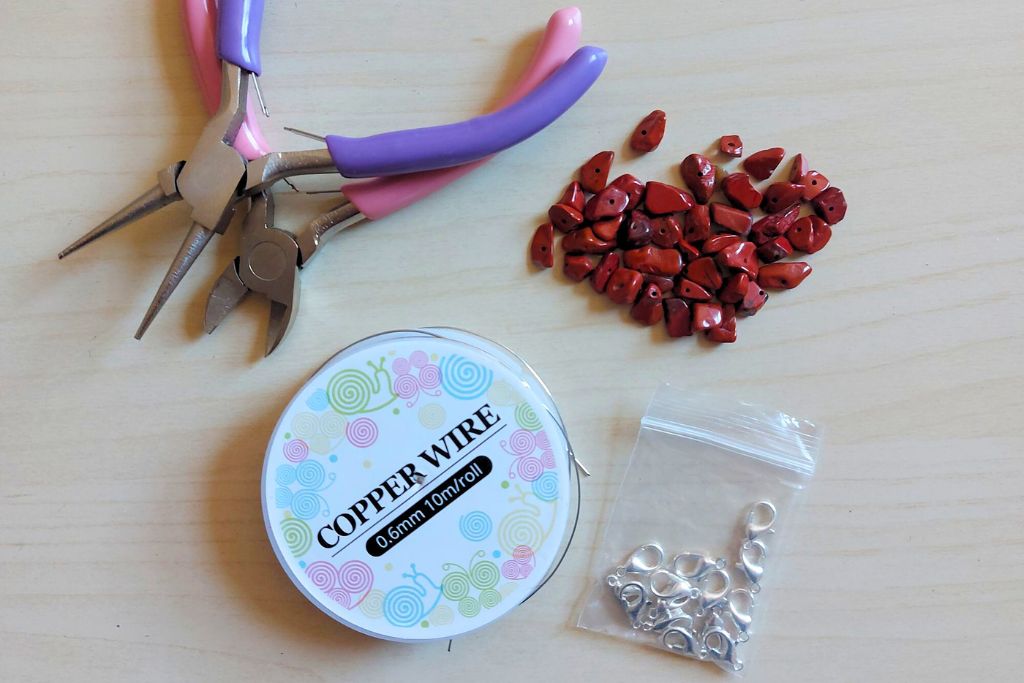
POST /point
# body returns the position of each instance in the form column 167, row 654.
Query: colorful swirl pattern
column 341, row 596
column 401, row 366
column 526, row 417
column 403, row 606
column 297, row 536
column 317, row 401
column 296, row 450
column 430, row 377
column 522, row 442
column 373, row 604
column 332, row 425
column 406, row 386
column 463, row 379
column 510, row 570
column 305, row 425
column 284, row 475
column 489, row 598
column 475, row 526
column 349, row 391
column 355, row 576
column 529, row 468
column 542, row 440
column 545, row 486
column 501, row 394
column 455, row 585
column 484, row 574
column 519, row 527
column 522, row 554
column 547, row 458
column 418, row 359
column 362, row 432
column 282, row 497
column 442, row 615
column 310, row 474
column 432, row 415
column 306, row 504
column 322, row 574
column 469, row 607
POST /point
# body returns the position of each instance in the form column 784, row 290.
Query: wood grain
column 131, row 539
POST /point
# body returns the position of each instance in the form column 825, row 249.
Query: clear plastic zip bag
column 686, row 564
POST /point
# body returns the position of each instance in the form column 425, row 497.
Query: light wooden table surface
column 131, row 540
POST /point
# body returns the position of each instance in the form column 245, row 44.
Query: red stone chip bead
column 647, row 309
column 542, row 245
column 594, row 173
column 742, row 256
column 667, row 231
column 773, row 225
column 654, row 260
column 798, row 169
column 608, row 228
column 606, row 203
column 783, row 275
column 734, row 289
column 754, row 299
column 809, row 234
column 697, row 223
column 762, row 164
column 688, row 251
column 814, row 183
column 731, row 145
column 717, row 243
column 633, row 188
column 584, row 241
column 737, row 189
column 732, row 219
column 564, row 217
column 665, row 284
column 699, row 175
column 649, row 133
column 624, row 286
column 830, row 205
column 689, row 289
column 677, row 318
column 725, row 333
column 638, row 231
column 705, row 273
column 706, row 316
column 780, row 196
column 599, row 279
column 573, row 196
column 775, row 249
column 661, row 198
column 578, row 267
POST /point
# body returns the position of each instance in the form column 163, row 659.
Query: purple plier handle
column 238, row 33
column 424, row 149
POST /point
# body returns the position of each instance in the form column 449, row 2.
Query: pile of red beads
column 684, row 258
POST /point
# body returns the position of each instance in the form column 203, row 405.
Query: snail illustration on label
column 407, row 605
column 351, row 391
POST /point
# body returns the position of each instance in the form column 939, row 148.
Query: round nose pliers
column 216, row 176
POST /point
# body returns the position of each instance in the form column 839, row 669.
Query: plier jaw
column 268, row 265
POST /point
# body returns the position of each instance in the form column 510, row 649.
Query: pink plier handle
column 377, row 197
column 201, row 30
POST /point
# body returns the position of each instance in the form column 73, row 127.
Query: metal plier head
column 208, row 181
column 268, row 263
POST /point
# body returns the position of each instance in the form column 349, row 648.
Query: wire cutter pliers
column 216, row 176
